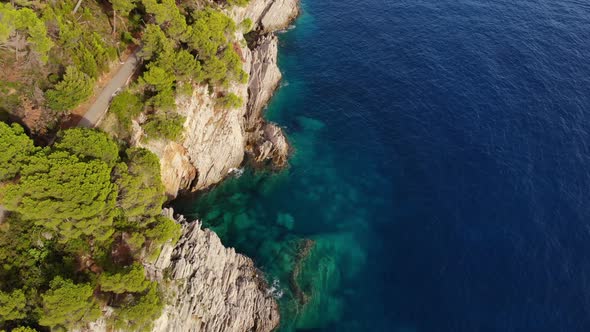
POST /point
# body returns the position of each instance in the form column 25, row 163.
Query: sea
column 440, row 175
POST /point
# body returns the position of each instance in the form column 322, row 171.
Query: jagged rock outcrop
column 264, row 78
column 212, row 288
column 267, row 143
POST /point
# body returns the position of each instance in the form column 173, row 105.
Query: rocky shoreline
column 218, row 140
column 209, row 287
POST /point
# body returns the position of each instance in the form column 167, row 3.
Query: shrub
column 168, row 126
column 126, row 106
column 230, row 101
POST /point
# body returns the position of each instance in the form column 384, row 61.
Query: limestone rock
column 264, row 77
column 267, row 15
column 213, row 288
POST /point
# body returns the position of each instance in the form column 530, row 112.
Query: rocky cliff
column 216, row 141
column 207, row 287
column 212, row 288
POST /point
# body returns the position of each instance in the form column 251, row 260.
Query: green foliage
column 246, row 25
column 22, row 255
column 88, row 144
column 139, row 314
column 75, row 87
column 67, row 305
column 26, row 21
column 123, row 6
column 126, row 106
column 186, row 66
column 64, row 194
column 209, row 32
column 163, row 230
column 168, row 126
column 16, row 149
column 128, row 280
column 239, row 3
column 167, row 13
column 158, row 79
column 154, row 42
column 214, row 70
column 24, row 329
column 85, row 61
column 230, row 101
column 12, row 305
column 141, row 192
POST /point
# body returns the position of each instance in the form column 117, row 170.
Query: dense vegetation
column 83, row 214
column 53, row 54
column 51, row 58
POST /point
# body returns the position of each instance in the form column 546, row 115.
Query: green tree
column 230, row 101
column 85, row 61
column 155, row 42
column 88, row 144
column 140, row 314
column 25, row 20
column 141, row 192
column 164, row 230
column 214, row 70
column 209, row 32
column 167, row 14
column 64, row 194
column 186, row 66
column 158, row 79
column 12, row 305
column 22, row 258
column 75, row 87
column 67, row 305
column 16, row 149
column 128, row 280
column 126, row 106
column 121, row 7
column 167, row 126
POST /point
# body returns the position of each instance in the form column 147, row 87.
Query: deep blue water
column 441, row 166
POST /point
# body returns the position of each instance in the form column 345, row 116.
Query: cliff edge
column 217, row 140
column 210, row 287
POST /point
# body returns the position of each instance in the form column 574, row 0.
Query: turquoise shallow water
column 320, row 203
column 440, row 176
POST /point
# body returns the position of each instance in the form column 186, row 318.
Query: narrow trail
column 98, row 109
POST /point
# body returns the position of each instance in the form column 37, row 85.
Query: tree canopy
column 128, row 280
column 68, row 305
column 64, row 194
column 16, row 149
column 75, row 87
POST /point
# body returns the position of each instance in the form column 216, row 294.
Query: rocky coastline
column 216, row 140
column 209, row 287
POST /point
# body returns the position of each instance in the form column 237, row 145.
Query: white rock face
column 213, row 140
column 264, row 77
column 212, row 288
column 267, row 15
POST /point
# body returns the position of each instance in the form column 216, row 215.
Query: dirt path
column 97, row 110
